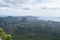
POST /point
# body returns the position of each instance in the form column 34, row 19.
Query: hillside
column 30, row 28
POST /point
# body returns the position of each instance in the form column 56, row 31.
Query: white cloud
column 41, row 12
column 30, row 7
column 30, row 4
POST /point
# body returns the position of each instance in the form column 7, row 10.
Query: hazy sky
column 30, row 7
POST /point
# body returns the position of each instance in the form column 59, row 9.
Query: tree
column 4, row 36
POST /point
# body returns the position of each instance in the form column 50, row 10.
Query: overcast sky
column 30, row 7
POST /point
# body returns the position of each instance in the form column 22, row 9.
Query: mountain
column 31, row 28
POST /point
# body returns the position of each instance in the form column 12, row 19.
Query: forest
column 30, row 28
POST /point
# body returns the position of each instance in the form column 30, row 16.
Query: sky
column 30, row 7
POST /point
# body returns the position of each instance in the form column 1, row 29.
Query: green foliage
column 1, row 32
column 8, row 37
column 4, row 36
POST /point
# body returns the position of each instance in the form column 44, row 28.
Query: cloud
column 30, row 7
column 41, row 12
column 30, row 4
column 50, row 4
column 18, row 3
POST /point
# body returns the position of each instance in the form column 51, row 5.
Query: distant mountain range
column 34, row 17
